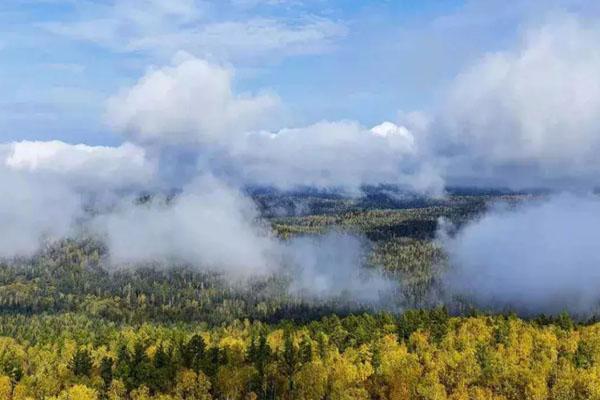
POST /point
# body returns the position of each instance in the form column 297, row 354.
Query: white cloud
column 80, row 165
column 399, row 137
column 118, row 24
column 540, row 257
column 209, row 225
column 33, row 209
column 191, row 102
column 335, row 154
column 332, row 266
column 46, row 186
column 531, row 115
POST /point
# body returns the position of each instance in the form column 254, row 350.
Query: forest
column 72, row 327
column 299, row 200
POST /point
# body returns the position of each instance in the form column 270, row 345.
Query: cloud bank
column 32, row 210
column 192, row 103
column 540, row 257
column 47, row 185
column 340, row 154
column 82, row 166
column 521, row 118
column 528, row 116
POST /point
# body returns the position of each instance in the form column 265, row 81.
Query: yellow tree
column 192, row 386
column 399, row 369
column 233, row 381
column 21, row 392
column 311, row 381
column 78, row 392
column 141, row 393
column 346, row 380
column 5, row 388
column 117, row 390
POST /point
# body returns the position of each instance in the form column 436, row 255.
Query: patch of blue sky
column 363, row 60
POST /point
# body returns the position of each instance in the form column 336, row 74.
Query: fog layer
column 538, row 257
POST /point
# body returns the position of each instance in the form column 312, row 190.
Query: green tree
column 260, row 355
column 289, row 360
column 194, row 353
column 81, row 363
column 106, row 373
column 140, row 367
column 305, row 351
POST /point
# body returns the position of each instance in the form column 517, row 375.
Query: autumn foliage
column 418, row 355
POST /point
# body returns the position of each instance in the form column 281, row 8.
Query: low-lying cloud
column 48, row 185
column 335, row 154
column 85, row 167
column 208, row 224
column 33, row 210
column 333, row 266
column 541, row 256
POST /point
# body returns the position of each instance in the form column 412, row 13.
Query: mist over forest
column 300, row 200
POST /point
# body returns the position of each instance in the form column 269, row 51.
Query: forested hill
column 75, row 275
column 74, row 326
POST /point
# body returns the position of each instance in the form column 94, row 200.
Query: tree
column 233, row 381
column 164, row 369
column 564, row 321
column 194, row 353
column 289, row 360
column 438, row 323
column 214, row 361
column 5, row 388
column 260, row 355
column 78, row 392
column 81, row 363
column 141, row 393
column 117, row 390
column 305, row 351
column 409, row 322
column 192, row 386
column 122, row 367
column 311, row 381
column 140, row 367
column 106, row 372
column 583, row 356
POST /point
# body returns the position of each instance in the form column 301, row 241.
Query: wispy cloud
column 163, row 28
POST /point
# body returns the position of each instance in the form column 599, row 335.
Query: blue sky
column 327, row 60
